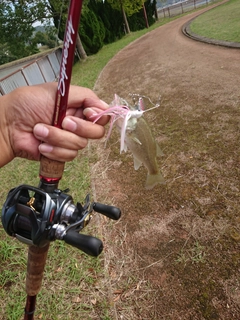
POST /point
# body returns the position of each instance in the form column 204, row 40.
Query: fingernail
column 69, row 124
column 104, row 104
column 45, row 148
column 89, row 112
column 41, row 131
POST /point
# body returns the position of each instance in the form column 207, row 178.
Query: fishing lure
column 136, row 136
column 121, row 113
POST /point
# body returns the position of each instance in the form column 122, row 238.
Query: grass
column 67, row 286
column 70, row 275
column 73, row 286
column 221, row 23
column 194, row 255
column 85, row 73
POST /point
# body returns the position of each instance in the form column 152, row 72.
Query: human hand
column 25, row 122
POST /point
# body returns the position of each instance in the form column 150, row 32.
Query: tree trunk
column 125, row 21
column 145, row 16
column 155, row 11
column 80, row 48
column 126, row 25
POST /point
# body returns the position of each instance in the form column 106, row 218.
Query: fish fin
column 159, row 151
column 153, row 180
column 137, row 140
column 137, row 163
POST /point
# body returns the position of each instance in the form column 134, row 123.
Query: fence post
column 55, row 52
column 2, row 91
column 22, row 72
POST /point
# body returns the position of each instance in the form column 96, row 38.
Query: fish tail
column 154, row 179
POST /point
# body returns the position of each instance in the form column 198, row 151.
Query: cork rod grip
column 51, row 168
column 36, row 262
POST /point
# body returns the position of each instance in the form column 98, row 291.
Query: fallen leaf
column 117, row 298
column 76, row 299
column 119, row 291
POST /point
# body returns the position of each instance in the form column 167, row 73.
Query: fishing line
column 145, row 97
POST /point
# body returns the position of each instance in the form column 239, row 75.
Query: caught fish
column 136, row 136
column 145, row 150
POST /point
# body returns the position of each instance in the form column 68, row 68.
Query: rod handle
column 37, row 257
column 51, row 169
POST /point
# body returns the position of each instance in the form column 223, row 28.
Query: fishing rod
column 38, row 215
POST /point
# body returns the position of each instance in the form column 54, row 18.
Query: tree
column 92, row 29
column 127, row 7
column 35, row 10
column 143, row 18
column 59, row 11
column 154, row 2
column 48, row 37
column 111, row 21
column 151, row 10
column 16, row 30
column 101, row 23
column 5, row 54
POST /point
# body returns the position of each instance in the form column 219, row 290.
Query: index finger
column 84, row 103
column 78, row 95
column 96, row 115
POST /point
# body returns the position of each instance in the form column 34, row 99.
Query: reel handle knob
column 111, row 212
column 88, row 244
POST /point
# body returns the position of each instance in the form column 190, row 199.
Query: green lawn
column 221, row 23
column 85, row 73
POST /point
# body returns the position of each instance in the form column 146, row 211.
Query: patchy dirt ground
column 175, row 252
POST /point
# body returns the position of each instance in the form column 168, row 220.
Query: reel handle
column 88, row 244
column 111, row 212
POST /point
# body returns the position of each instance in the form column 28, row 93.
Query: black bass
column 135, row 136
column 141, row 143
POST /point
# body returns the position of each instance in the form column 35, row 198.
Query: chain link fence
column 181, row 7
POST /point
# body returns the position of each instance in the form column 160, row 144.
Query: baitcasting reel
column 36, row 217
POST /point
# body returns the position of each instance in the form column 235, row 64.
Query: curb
column 186, row 30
